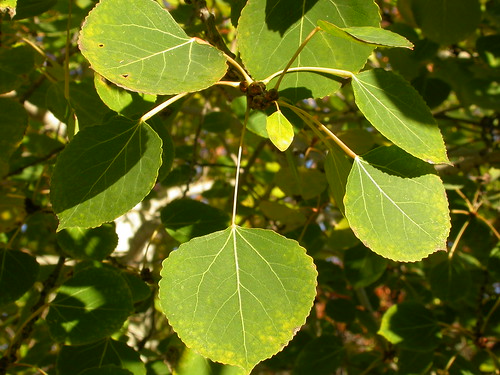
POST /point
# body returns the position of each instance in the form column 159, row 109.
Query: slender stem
column 299, row 50
column 336, row 139
column 228, row 83
column 493, row 229
column 490, row 314
column 239, row 67
column 162, row 106
column 238, row 166
column 317, row 69
column 458, row 238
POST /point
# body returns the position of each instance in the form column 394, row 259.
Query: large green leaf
column 411, row 326
column 396, row 205
column 74, row 359
column 18, row 273
column 138, row 45
column 239, row 295
column 270, row 31
column 399, row 113
column 89, row 306
column 104, row 172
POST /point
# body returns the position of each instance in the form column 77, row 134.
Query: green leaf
column 114, row 163
column 450, row 280
column 270, row 31
column 14, row 120
column 238, row 296
column 125, row 103
column 14, row 63
column 88, row 244
column 31, row 8
column 411, row 326
column 309, row 183
column 366, row 34
column 397, row 111
column 192, row 363
column 18, row 273
column 89, row 306
column 362, row 267
column 279, row 130
column 321, row 356
column 138, row 45
column 185, row 219
column 74, row 359
column 447, row 21
column 337, row 169
column 396, row 205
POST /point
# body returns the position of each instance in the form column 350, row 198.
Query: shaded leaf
column 89, row 306
column 14, row 120
column 186, row 218
column 396, row 205
column 74, row 359
column 337, row 169
column 309, row 183
column 270, row 31
column 279, row 130
column 366, row 34
column 397, row 111
column 321, row 356
column 411, row 326
column 104, row 172
column 88, row 244
column 450, row 280
column 106, row 370
column 31, row 8
column 362, row 267
column 18, row 273
column 14, row 63
column 447, row 21
column 238, row 296
column 138, row 45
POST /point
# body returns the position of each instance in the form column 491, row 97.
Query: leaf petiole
column 161, row 107
column 317, row 69
column 299, row 50
column 304, row 115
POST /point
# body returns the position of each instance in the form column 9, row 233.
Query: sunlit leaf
column 399, row 113
column 279, row 130
column 411, row 326
column 18, row 273
column 89, row 306
column 270, row 31
column 104, row 172
column 238, row 296
column 138, row 45
column 366, row 34
column 396, row 205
